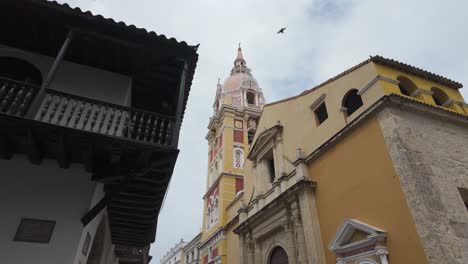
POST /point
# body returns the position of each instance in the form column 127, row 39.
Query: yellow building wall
column 232, row 246
column 356, row 179
column 421, row 83
column 300, row 128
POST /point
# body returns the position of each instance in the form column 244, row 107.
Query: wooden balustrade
column 15, row 97
column 104, row 118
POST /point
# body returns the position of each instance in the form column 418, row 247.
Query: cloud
column 323, row 38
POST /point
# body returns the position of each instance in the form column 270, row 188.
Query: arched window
column 250, row 135
column 238, row 158
column 251, row 98
column 352, row 101
column 407, row 87
column 440, row 97
column 20, row 70
column 278, row 256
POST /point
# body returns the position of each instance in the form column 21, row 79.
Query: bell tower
column 237, row 107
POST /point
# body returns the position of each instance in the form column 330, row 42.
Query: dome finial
column 239, row 61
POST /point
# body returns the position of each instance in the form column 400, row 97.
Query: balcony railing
column 86, row 114
column 15, row 97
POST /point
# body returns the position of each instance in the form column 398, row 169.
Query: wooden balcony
column 131, row 151
column 80, row 113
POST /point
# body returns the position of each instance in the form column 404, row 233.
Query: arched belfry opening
column 278, row 256
column 440, row 97
column 20, row 70
column 407, row 87
column 250, row 98
column 352, row 101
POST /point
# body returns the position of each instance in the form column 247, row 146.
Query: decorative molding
column 318, row 102
column 419, row 91
column 374, row 80
column 212, row 240
column 453, row 101
column 347, row 229
column 262, row 140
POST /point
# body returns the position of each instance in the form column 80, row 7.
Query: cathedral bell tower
column 236, row 109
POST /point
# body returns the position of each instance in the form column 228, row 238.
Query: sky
column 322, row 39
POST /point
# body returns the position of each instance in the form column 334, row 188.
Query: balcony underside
column 135, row 173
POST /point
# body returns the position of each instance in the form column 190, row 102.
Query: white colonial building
column 175, row 255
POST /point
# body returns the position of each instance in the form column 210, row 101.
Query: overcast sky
column 322, row 39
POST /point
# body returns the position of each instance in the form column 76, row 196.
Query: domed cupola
column 240, row 88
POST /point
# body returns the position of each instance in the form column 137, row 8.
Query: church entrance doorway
column 278, row 256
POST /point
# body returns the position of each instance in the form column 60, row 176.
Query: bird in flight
column 281, row 31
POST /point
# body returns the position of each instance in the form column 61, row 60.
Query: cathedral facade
column 368, row 167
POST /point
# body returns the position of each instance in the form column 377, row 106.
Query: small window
column 352, row 102
column 250, row 136
column 271, row 169
column 464, row 194
column 321, row 113
column 407, row 87
column 439, row 96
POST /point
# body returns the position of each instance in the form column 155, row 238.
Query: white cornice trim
column 374, row 80
column 453, row 101
column 419, row 91
column 347, row 229
column 317, row 102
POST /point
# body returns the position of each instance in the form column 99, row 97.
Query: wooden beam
column 33, row 150
column 62, row 154
column 97, row 208
column 88, row 158
column 180, row 105
column 6, row 148
column 130, row 220
column 134, row 215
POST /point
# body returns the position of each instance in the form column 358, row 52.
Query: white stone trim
column 345, row 232
column 317, row 102
column 374, row 80
column 453, row 101
column 419, row 91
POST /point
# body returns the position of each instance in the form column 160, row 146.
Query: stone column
column 382, row 253
column 258, row 252
column 242, row 248
column 297, row 223
column 250, row 250
column 291, row 249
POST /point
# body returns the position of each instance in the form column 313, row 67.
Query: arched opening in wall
column 407, row 87
column 250, row 98
column 20, row 70
column 97, row 248
column 278, row 256
column 440, row 97
column 250, row 135
column 352, row 101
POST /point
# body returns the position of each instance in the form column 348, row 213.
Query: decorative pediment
column 354, row 235
column 263, row 140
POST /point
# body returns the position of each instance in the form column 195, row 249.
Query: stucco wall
column 78, row 79
column 356, row 179
column 42, row 192
column 430, row 155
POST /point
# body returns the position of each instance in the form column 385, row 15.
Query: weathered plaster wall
column 42, row 192
column 430, row 155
